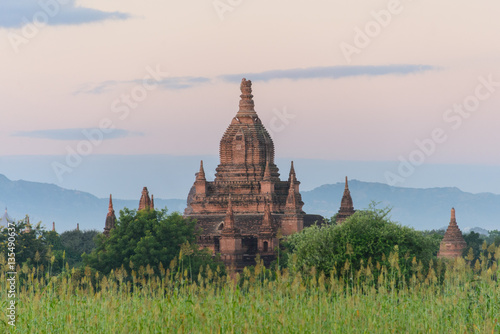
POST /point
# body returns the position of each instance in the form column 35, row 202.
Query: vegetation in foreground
column 459, row 299
column 368, row 275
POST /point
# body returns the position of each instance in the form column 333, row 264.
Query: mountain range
column 420, row 208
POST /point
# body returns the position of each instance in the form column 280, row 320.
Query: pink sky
column 44, row 86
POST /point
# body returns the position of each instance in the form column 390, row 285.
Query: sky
column 416, row 83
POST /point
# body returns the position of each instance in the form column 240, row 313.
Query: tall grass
column 451, row 297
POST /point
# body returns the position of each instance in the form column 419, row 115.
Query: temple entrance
column 216, row 244
column 249, row 245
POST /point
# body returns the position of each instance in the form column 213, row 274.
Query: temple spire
column 152, row 202
column 110, row 205
column 346, row 205
column 246, row 102
column 201, row 174
column 291, row 200
column 292, row 175
column 53, row 226
column 110, row 218
column 453, row 217
column 145, row 202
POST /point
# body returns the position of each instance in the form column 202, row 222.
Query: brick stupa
column 453, row 243
column 110, row 218
column 146, row 202
column 242, row 210
column 346, row 206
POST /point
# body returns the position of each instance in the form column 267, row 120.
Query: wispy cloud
column 76, row 134
column 330, row 72
column 17, row 13
column 167, row 83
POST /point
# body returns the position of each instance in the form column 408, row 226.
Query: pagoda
column 247, row 205
column 346, row 206
column 453, row 243
column 110, row 218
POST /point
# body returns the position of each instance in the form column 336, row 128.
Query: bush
column 365, row 236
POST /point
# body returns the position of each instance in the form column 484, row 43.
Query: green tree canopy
column 147, row 237
column 367, row 234
column 76, row 243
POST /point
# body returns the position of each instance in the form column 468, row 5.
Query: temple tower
column 145, row 201
column 453, row 243
column 241, row 211
column 230, row 241
column 346, row 206
column 110, row 218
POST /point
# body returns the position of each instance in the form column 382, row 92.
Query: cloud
column 18, row 13
column 76, row 134
column 330, row 72
column 167, row 83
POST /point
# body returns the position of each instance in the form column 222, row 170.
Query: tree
column 75, row 243
column 475, row 241
column 34, row 247
column 148, row 237
column 367, row 234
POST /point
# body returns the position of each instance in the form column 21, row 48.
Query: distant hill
column 47, row 203
column 420, row 208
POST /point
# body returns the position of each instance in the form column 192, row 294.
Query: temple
column 242, row 211
column 110, row 218
column 145, row 203
column 346, row 206
column 453, row 243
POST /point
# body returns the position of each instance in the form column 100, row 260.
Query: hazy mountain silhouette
column 420, row 208
column 47, row 203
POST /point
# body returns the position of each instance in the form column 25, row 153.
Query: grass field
column 456, row 299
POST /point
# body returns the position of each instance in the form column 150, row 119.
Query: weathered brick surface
column 453, row 243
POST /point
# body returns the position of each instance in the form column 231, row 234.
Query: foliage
column 76, row 243
column 365, row 236
column 465, row 300
column 34, row 247
column 149, row 238
column 474, row 241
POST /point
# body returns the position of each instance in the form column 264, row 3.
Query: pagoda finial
column 201, row 174
column 246, row 102
column 292, row 177
column 152, row 202
column 54, row 226
column 77, row 226
column 453, row 218
column 110, row 206
column 346, row 184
